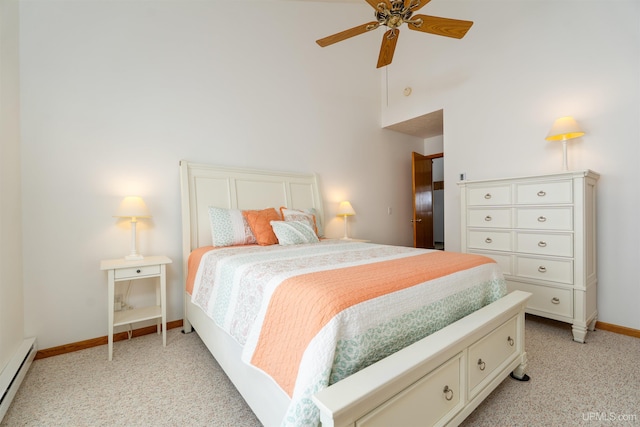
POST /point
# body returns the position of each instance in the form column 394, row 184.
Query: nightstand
column 120, row 270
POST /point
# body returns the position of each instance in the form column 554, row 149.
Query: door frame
column 440, row 186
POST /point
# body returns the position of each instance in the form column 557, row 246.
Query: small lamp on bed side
column 346, row 210
column 133, row 207
column 563, row 129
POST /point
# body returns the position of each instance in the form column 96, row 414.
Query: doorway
column 428, row 201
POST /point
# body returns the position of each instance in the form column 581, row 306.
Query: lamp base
column 134, row 257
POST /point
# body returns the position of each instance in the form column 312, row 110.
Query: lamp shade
column 132, row 207
column 345, row 209
column 564, row 128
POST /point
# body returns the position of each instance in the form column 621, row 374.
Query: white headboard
column 235, row 188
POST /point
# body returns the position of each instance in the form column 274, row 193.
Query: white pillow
column 229, row 227
column 298, row 215
column 294, row 232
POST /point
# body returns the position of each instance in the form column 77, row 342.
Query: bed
column 453, row 365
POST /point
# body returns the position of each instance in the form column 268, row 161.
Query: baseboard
column 622, row 330
column 14, row 372
column 82, row 345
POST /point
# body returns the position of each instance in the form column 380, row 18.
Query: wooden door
column 422, row 169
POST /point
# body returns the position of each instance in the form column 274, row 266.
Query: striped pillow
column 294, row 232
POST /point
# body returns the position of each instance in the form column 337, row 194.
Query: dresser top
column 558, row 175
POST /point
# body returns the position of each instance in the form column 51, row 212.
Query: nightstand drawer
column 551, row 270
column 545, row 244
column 544, row 193
column 489, row 195
column 545, row 218
column 135, row 272
column 490, row 218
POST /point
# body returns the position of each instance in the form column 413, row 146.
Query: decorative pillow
column 294, row 232
column 298, row 215
column 318, row 219
column 229, row 227
column 260, row 223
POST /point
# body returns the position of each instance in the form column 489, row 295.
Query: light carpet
column 593, row 384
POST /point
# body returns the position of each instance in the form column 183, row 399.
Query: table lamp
column 563, row 129
column 346, row 210
column 133, row 207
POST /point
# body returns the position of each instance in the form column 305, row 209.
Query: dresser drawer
column 432, row 399
column 545, row 218
column 546, row 299
column 136, row 272
column 490, row 240
column 544, row 193
column 552, row 270
column 503, row 260
column 489, row 195
column 490, row 218
column 544, row 244
column 489, row 353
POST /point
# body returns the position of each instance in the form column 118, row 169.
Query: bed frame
column 404, row 386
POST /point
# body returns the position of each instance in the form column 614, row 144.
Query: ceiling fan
column 394, row 13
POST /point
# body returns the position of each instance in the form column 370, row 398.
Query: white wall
column 523, row 64
column 114, row 94
column 11, row 289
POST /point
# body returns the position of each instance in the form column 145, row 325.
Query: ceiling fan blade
column 389, row 41
column 455, row 28
column 374, row 3
column 351, row 32
column 419, row 4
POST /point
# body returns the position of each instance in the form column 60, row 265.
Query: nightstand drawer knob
column 541, row 193
column 488, row 240
column 138, row 271
column 487, row 196
column 510, row 340
column 542, row 244
column 555, row 300
column 488, row 218
column 542, row 219
column 542, row 269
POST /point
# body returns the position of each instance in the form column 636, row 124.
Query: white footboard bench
column 439, row 380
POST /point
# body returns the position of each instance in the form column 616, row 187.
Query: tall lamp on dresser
column 541, row 230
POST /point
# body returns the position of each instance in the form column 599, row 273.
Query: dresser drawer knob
column 542, row 269
column 541, row 193
column 481, row 364
column 487, row 196
column 542, row 244
column 138, row 271
column 448, row 393
column 542, row 219
column 487, row 218
column 555, row 300
column 488, row 240
column 510, row 341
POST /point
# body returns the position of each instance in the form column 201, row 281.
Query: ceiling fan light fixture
column 392, row 14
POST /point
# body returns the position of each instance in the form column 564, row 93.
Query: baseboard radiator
column 12, row 375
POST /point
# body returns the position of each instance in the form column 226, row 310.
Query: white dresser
column 541, row 230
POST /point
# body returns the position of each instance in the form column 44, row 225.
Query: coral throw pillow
column 260, row 224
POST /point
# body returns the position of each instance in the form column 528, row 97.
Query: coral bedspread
column 310, row 315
